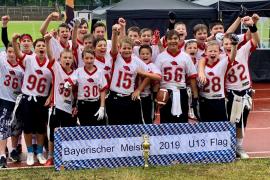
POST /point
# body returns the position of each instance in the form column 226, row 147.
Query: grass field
column 244, row 169
column 30, row 27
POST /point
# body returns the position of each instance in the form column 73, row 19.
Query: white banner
column 132, row 146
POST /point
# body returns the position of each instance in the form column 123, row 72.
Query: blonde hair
column 126, row 40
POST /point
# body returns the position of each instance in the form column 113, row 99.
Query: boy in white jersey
column 238, row 84
column 200, row 34
column 62, row 99
column 175, row 67
column 212, row 96
column 63, row 33
column 36, row 87
column 10, row 83
column 121, row 108
column 92, row 87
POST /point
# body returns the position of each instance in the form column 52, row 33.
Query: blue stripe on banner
column 106, row 132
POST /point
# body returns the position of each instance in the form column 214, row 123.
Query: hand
column 15, row 37
column 74, row 111
column 48, row 36
column 247, row 21
column 100, row 113
column 48, row 102
column 137, row 42
column 67, row 85
column 255, row 18
column 172, row 15
column 202, row 78
column 77, row 22
column 234, row 39
column 5, row 20
column 116, row 27
column 122, row 22
column 242, row 11
column 54, row 16
column 136, row 95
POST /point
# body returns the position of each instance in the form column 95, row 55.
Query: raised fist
column 234, row 38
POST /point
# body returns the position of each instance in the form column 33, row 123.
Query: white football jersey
column 105, row 64
column 124, row 74
column 57, row 47
column 174, row 69
column 153, row 69
column 37, row 77
column 10, row 80
column 215, row 74
column 238, row 77
column 62, row 98
column 155, row 51
column 89, row 84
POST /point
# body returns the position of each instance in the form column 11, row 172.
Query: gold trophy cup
column 146, row 150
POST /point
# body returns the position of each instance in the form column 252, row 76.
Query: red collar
column 127, row 60
column 173, row 54
column 79, row 42
column 12, row 65
column 63, row 45
column 201, row 46
column 67, row 72
column 181, row 45
column 39, row 61
column 90, row 73
column 101, row 59
column 211, row 65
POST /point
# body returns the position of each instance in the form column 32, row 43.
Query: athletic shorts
column 33, row 114
column 212, row 110
column 87, row 111
column 59, row 118
column 165, row 111
column 6, row 109
column 246, row 111
column 122, row 110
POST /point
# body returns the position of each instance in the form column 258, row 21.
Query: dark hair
column 88, row 36
column 145, row 47
column 199, row 27
column 227, row 35
column 97, row 40
column 62, row 25
column 87, row 50
column 171, row 33
column 144, row 30
column 134, row 29
column 38, row 40
column 98, row 24
column 214, row 23
column 190, row 42
column 9, row 45
column 84, row 21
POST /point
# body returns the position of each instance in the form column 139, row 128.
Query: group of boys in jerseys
column 91, row 81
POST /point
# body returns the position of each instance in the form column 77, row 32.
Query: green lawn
column 244, row 169
column 30, row 27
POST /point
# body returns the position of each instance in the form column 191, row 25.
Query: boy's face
column 134, row 36
column 192, row 49
column 40, row 49
column 217, row 29
column 66, row 59
column 212, row 52
column 26, row 44
column 101, row 48
column 88, row 43
column 227, row 45
column 99, row 32
column 182, row 30
column 146, row 38
column 64, row 34
column 11, row 54
column 83, row 29
column 88, row 59
column 145, row 55
column 201, row 36
column 173, row 42
column 126, row 50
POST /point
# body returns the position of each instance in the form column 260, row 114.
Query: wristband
column 253, row 28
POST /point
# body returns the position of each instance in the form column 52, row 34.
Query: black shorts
column 165, row 111
column 212, row 110
column 6, row 109
column 123, row 110
column 147, row 108
column 230, row 98
column 86, row 112
column 33, row 114
column 60, row 118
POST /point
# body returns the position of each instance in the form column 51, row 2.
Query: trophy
column 146, row 150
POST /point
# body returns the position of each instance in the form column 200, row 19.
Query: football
column 162, row 97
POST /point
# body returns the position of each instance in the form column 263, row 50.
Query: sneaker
column 30, row 159
column 14, row 156
column 49, row 162
column 241, row 153
column 19, row 148
column 3, row 162
column 41, row 158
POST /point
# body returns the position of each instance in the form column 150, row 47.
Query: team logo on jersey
column 107, row 68
column 90, row 80
column 126, row 68
column 39, row 72
column 174, row 63
column 12, row 72
column 210, row 73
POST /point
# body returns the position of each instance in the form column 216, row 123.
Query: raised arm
column 16, row 46
column 122, row 23
column 201, row 68
column 47, row 38
column 236, row 23
column 4, row 34
column 235, row 41
column 114, row 49
column 45, row 24
column 75, row 34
